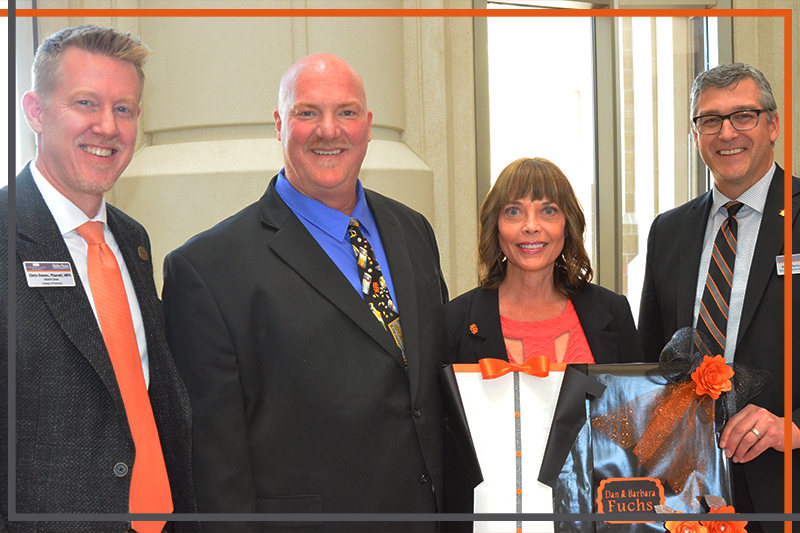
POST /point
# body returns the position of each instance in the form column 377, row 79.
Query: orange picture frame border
column 785, row 14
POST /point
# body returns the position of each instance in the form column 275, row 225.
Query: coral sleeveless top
column 539, row 338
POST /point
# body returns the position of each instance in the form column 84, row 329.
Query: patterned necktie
column 713, row 318
column 376, row 293
column 150, row 491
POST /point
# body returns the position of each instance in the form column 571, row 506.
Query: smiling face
column 737, row 159
column 324, row 128
column 531, row 234
column 86, row 129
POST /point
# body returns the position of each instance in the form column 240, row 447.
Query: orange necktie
column 149, row 492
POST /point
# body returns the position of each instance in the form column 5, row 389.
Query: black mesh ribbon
column 684, row 353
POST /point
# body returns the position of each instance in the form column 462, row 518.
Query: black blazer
column 605, row 317
column 301, row 402
column 606, row 320
column 674, row 247
column 71, row 427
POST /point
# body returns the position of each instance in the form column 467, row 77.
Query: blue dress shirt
column 329, row 228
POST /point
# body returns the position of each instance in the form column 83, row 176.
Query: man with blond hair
column 103, row 423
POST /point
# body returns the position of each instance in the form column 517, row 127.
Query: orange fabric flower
column 713, row 376
column 726, row 509
column 724, row 527
column 684, row 526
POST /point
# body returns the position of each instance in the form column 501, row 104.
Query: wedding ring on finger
column 757, row 433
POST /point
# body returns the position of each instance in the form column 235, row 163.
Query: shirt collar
column 67, row 215
column 331, row 221
column 755, row 197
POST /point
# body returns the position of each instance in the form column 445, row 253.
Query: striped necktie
column 149, row 490
column 713, row 318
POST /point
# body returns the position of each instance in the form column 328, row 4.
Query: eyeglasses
column 743, row 120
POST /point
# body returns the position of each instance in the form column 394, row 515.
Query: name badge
column 48, row 274
column 795, row 264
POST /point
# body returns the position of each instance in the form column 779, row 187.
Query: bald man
column 307, row 328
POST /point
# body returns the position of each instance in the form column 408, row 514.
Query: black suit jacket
column 71, row 426
column 674, row 247
column 605, row 317
column 301, row 402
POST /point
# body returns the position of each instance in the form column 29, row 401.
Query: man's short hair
column 94, row 39
column 729, row 74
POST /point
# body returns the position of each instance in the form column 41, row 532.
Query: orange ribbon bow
column 538, row 365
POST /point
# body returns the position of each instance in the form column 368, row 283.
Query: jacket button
column 120, row 469
column 417, row 413
column 423, row 479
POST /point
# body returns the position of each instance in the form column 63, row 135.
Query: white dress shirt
column 749, row 222
column 69, row 217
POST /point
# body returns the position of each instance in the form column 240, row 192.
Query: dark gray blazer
column 71, row 427
column 301, row 402
column 674, row 247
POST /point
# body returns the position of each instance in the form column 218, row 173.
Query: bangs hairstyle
column 97, row 40
column 535, row 179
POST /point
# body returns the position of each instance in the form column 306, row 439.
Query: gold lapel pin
column 143, row 253
column 781, row 213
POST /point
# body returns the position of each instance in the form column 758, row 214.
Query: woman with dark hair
column 535, row 296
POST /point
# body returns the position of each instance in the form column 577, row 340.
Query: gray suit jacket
column 301, row 402
column 71, row 426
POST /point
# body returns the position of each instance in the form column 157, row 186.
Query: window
column 4, row 90
column 25, row 46
column 607, row 100
column 538, row 108
column 660, row 168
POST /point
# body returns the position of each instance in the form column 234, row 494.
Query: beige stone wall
column 207, row 142
column 207, row 135
column 760, row 42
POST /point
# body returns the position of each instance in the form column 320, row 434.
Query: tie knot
column 92, row 232
column 733, row 207
column 354, row 223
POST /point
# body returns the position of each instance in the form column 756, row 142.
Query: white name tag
column 49, row 274
column 795, row 264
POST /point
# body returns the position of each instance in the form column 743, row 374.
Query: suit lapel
column 768, row 246
column 690, row 250
column 39, row 239
column 127, row 241
column 594, row 317
column 398, row 255
column 298, row 249
column 133, row 247
column 488, row 332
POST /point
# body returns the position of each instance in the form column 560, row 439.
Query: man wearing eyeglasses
column 732, row 289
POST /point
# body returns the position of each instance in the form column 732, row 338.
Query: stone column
column 207, row 143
